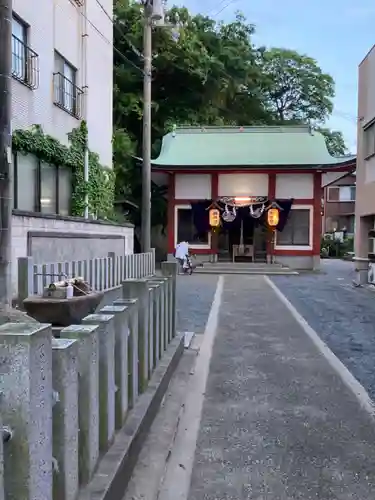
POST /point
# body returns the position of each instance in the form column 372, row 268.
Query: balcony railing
column 25, row 64
column 67, row 95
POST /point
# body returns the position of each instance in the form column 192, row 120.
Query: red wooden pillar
column 317, row 217
column 271, row 196
column 171, row 213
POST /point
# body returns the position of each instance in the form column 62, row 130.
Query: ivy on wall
column 101, row 185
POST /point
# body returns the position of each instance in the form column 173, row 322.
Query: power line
column 225, row 7
column 117, row 27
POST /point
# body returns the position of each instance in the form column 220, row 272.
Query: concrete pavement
column 266, row 411
column 278, row 421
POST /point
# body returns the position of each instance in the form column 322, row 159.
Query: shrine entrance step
column 259, row 268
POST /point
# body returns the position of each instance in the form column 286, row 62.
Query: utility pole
column 5, row 153
column 146, row 146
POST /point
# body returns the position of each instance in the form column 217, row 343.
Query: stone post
column 361, row 266
column 26, row 407
column 156, row 323
column 25, row 279
column 163, row 320
column 106, row 332
column 88, row 396
column 133, row 358
column 121, row 361
column 169, row 269
column 139, row 289
column 65, row 419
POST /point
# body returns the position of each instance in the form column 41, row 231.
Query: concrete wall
column 62, row 26
column 366, row 113
column 59, row 239
column 365, row 183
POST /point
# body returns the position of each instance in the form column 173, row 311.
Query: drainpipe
column 86, row 179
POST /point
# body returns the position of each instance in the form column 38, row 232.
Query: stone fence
column 102, row 274
column 64, row 399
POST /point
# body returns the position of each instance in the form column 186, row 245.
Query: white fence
column 101, row 273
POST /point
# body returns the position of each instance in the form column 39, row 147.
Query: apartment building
column 62, row 64
column 365, row 182
column 339, row 203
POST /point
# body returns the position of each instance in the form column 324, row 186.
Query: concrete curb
column 116, row 467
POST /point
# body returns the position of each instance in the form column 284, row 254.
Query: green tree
column 210, row 74
column 335, row 141
column 207, row 76
column 295, row 89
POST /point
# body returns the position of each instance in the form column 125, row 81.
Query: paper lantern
column 273, row 217
column 214, row 217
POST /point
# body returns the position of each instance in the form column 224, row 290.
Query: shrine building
column 242, row 173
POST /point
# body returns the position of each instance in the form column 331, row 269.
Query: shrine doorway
column 244, row 241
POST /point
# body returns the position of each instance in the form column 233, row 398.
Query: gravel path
column 277, row 423
column 194, row 299
column 343, row 316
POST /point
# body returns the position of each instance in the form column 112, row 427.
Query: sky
column 337, row 33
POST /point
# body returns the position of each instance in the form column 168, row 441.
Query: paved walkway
column 278, row 421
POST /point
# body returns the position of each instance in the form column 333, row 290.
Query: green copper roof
column 245, row 146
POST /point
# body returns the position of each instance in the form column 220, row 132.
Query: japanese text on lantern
column 214, row 217
column 273, row 217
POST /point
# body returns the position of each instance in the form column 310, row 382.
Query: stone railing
column 63, row 399
column 101, row 273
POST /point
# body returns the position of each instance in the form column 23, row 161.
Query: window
column 369, row 141
column 40, row 187
column 66, row 93
column 341, row 193
column 25, row 179
column 25, row 62
column 64, row 190
column 297, row 229
column 186, row 230
column 48, row 188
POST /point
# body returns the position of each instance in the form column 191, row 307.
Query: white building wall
column 243, row 185
column 100, row 79
column 60, row 25
column 295, row 186
column 193, row 186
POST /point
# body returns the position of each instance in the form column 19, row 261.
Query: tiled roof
column 245, row 146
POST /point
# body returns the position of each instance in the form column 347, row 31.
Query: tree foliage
column 295, row 88
column 335, row 141
column 210, row 74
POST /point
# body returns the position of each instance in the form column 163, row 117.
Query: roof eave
column 330, row 167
